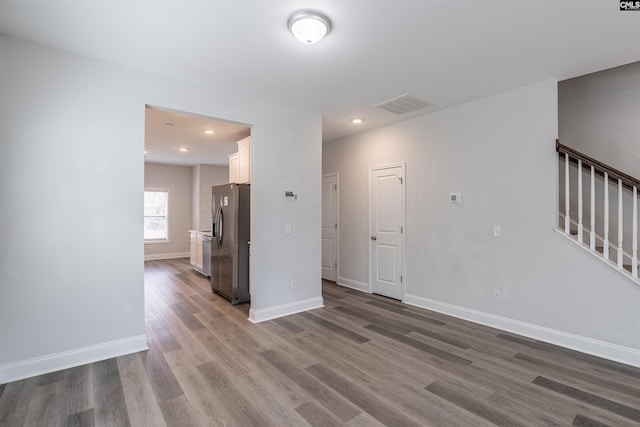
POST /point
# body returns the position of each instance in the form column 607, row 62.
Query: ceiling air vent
column 403, row 104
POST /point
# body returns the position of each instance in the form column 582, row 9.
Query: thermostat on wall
column 454, row 197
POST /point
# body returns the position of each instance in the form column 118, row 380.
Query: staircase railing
column 573, row 168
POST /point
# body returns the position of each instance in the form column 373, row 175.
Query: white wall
column 71, row 253
column 205, row 177
column 599, row 115
column 499, row 153
column 178, row 179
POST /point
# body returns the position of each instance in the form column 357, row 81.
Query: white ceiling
column 168, row 131
column 445, row 52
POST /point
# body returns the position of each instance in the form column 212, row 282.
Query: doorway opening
column 187, row 154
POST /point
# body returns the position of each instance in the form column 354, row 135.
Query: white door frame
column 337, row 175
column 402, row 166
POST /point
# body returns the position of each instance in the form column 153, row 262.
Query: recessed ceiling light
column 209, row 131
column 357, row 120
column 184, row 149
column 309, row 26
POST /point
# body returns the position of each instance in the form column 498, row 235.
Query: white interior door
column 330, row 227
column 386, row 227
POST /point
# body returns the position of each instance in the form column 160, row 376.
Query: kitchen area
column 207, row 217
column 222, row 251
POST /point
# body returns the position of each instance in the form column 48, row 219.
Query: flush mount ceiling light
column 184, row 149
column 357, row 120
column 309, row 26
column 209, row 131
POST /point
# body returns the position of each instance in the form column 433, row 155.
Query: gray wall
column 599, row 115
column 498, row 152
column 205, row 177
column 72, row 250
column 178, row 179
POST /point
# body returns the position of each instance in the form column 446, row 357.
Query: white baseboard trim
column 353, row 284
column 264, row 314
column 170, row 255
column 68, row 359
column 626, row 355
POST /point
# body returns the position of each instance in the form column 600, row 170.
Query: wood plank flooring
column 363, row 360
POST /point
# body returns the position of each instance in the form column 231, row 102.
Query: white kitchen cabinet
column 234, row 165
column 244, row 161
column 199, row 251
column 192, row 247
column 240, row 163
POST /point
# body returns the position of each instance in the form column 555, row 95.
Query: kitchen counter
column 196, row 253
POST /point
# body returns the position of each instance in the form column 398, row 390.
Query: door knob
column 374, row 238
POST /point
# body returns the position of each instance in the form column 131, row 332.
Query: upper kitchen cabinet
column 234, row 168
column 240, row 163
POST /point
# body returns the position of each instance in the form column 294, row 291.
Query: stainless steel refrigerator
column 230, row 242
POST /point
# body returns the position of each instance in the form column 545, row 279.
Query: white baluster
column 567, row 218
column 580, row 226
column 592, row 236
column 634, row 260
column 620, row 251
column 605, row 242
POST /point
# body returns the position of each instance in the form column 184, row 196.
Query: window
column 156, row 215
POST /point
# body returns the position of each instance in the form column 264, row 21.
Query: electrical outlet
column 497, row 231
column 287, row 229
column 293, row 285
column 497, row 295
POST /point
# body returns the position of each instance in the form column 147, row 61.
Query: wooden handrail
column 614, row 174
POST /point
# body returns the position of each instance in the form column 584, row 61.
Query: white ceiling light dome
column 309, row 26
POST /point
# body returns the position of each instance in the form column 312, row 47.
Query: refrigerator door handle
column 215, row 223
column 220, row 227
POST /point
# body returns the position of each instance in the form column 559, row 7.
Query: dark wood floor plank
column 317, row 416
column 359, row 397
column 110, row 404
column 274, row 394
column 419, row 345
column 198, row 391
column 472, row 405
column 48, row 405
column 142, row 405
column 161, row 377
column 81, row 419
column 355, row 365
column 78, row 385
column 591, row 399
column 186, row 317
column 583, row 421
column 289, row 324
column 337, row 329
column 244, row 413
column 323, row 394
column 626, row 370
column 162, row 335
column 178, row 411
column 402, row 310
column 14, row 401
column 589, row 382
